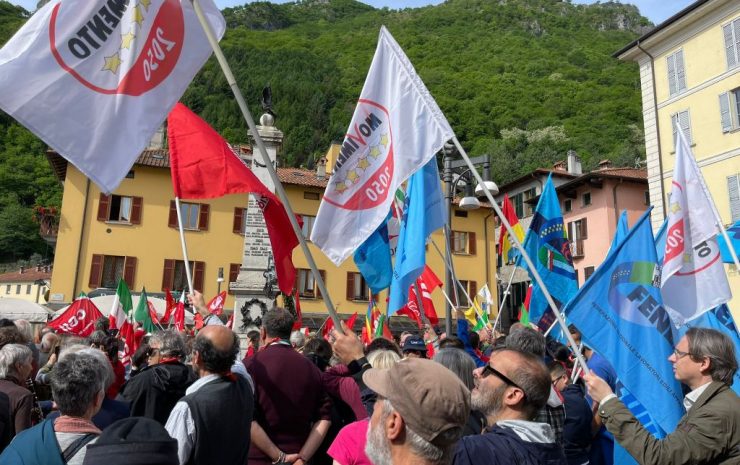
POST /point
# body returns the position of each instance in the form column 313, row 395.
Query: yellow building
column 133, row 235
column 30, row 284
column 690, row 76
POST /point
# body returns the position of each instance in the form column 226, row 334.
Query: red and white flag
column 203, row 166
column 180, row 313
column 216, row 305
column 396, row 129
column 94, row 79
column 78, row 319
column 693, row 278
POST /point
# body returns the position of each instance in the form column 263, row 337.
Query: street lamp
column 468, row 202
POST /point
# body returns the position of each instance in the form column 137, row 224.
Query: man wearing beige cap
column 419, row 416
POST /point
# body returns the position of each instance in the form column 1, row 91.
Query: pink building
column 591, row 205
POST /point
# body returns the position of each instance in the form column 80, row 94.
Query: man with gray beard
column 509, row 391
column 419, row 414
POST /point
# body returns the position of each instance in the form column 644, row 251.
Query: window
column 681, row 119
column 523, row 209
column 234, row 269
column 471, row 287
column 240, row 220
column 308, row 222
column 17, row 288
column 577, row 232
column 107, row 270
column 306, row 285
column 7, row 289
column 462, row 242
column 586, row 199
column 120, row 209
column 568, row 205
column 311, row 195
column 194, row 216
column 587, row 272
column 28, row 289
column 676, row 73
column 729, row 109
column 174, row 276
column 357, row 288
column 733, row 189
column 731, row 33
column 461, row 214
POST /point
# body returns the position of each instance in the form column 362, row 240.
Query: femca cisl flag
column 94, row 79
column 396, row 129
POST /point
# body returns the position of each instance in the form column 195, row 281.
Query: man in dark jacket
column 154, row 392
column 578, row 416
column 709, row 433
column 510, row 390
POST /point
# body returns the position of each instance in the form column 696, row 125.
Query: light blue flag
column 620, row 312
column 733, row 232
column 424, row 212
column 720, row 319
column 623, row 228
column 549, row 249
column 660, row 236
column 373, row 259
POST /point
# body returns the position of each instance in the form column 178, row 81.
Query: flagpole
column 184, row 247
column 279, row 190
column 524, row 255
column 506, row 295
column 465, row 291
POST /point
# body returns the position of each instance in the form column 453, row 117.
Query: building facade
column 132, row 234
column 690, row 77
column 30, row 284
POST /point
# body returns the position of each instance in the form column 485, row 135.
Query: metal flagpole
column 280, row 191
column 184, row 247
column 506, row 295
column 465, row 291
column 525, row 256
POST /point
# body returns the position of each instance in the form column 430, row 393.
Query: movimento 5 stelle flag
column 94, row 79
column 397, row 127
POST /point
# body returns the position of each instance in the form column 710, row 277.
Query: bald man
column 212, row 422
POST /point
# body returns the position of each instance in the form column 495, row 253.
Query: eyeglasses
column 680, row 354
column 489, row 370
column 152, row 351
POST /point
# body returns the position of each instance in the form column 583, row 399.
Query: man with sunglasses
column 704, row 360
column 509, row 391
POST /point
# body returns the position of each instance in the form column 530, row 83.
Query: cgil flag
column 547, row 245
column 693, row 278
column 396, row 129
column 619, row 310
column 203, row 166
column 424, row 213
column 216, row 305
column 79, row 318
column 94, row 79
column 179, row 313
column 505, row 247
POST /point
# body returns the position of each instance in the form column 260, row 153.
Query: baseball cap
column 430, row 398
column 414, row 343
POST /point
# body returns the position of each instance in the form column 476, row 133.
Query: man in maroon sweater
column 292, row 410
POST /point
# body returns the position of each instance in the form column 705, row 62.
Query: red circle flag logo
column 363, row 173
column 122, row 46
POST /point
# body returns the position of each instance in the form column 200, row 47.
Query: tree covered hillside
column 522, row 80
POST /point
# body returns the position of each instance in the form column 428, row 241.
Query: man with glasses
column 704, row 360
column 509, row 391
column 154, row 392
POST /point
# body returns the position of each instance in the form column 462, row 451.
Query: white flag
column 397, row 127
column 693, row 276
column 94, row 79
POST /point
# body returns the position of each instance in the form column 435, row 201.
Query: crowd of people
column 426, row 398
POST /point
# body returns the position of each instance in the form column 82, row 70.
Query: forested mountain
column 522, row 80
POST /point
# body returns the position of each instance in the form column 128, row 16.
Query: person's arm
column 265, row 444
column 199, row 304
column 180, row 426
column 314, row 440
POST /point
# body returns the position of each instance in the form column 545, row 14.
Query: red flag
column 328, row 326
column 427, row 303
column 230, row 321
column 198, row 321
column 429, row 278
column 180, row 313
column 128, row 335
column 411, row 309
column 350, row 322
column 366, row 338
column 298, row 316
column 169, row 306
column 203, row 166
column 152, row 312
column 78, row 319
column 216, row 305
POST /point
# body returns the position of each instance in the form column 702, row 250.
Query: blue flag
column 424, row 212
column 660, row 236
column 547, row 245
column 623, row 228
column 720, row 319
column 620, row 312
column 373, row 259
column 733, row 232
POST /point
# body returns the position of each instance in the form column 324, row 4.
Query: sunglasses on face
column 489, row 370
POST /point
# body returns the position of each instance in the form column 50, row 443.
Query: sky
column 655, row 10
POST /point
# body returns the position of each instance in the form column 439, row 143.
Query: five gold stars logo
column 354, row 174
column 113, row 62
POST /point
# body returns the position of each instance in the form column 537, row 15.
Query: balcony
column 576, row 248
column 48, row 221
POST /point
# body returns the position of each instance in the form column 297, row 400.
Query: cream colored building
column 690, row 76
column 30, row 284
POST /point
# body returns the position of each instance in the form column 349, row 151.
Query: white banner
column 94, row 79
column 693, row 276
column 396, row 128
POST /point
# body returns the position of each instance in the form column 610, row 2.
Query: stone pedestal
column 249, row 287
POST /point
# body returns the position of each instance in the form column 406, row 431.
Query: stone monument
column 257, row 268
